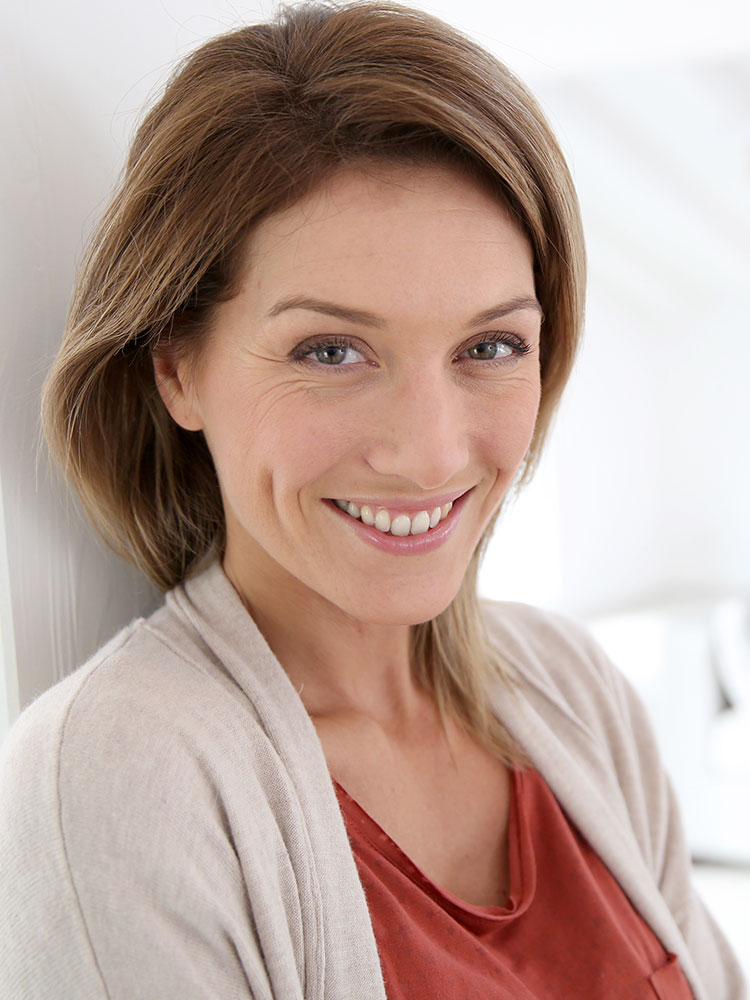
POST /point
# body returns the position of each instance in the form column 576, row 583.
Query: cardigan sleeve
column 118, row 877
column 649, row 789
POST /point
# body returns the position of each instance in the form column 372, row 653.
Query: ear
column 176, row 387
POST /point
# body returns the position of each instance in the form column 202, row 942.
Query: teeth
column 420, row 523
column 383, row 520
column 400, row 525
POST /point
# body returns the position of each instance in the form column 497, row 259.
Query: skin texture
column 407, row 418
column 413, row 410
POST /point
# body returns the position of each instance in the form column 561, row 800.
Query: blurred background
column 637, row 523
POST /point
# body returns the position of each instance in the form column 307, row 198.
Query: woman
column 322, row 329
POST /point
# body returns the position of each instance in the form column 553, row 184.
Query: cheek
column 527, row 408
column 268, row 441
column 507, row 423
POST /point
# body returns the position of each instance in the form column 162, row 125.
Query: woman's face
column 382, row 353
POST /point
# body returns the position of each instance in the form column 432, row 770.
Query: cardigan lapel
column 570, row 760
column 341, row 958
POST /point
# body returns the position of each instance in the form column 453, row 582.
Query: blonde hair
column 250, row 123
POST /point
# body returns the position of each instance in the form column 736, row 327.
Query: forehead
column 365, row 207
column 394, row 240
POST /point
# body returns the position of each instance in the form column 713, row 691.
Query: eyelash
column 302, row 352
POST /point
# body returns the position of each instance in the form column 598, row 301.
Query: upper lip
column 405, row 504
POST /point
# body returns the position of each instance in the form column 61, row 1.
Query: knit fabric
column 169, row 829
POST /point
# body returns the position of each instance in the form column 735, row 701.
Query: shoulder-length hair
column 250, row 122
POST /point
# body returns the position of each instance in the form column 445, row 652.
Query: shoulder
column 536, row 630
column 554, row 658
column 112, row 783
column 139, row 680
column 574, row 704
column 134, row 733
column 584, row 727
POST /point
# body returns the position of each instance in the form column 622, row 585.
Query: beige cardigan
column 169, row 829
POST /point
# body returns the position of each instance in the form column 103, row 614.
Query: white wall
column 646, row 489
column 650, row 455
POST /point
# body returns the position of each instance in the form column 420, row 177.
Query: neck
column 337, row 664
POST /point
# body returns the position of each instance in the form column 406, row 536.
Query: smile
column 403, row 527
column 400, row 524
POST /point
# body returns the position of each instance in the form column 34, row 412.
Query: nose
column 421, row 431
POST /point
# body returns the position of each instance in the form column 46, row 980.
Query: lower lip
column 408, row 545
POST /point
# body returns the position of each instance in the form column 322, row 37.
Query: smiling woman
column 399, row 398
column 320, row 333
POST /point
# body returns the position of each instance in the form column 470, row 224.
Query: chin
column 394, row 609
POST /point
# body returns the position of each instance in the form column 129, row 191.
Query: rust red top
column 567, row 931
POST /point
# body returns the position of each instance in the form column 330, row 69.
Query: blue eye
column 496, row 347
column 329, row 352
column 335, row 354
column 489, row 350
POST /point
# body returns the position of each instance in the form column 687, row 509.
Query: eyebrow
column 359, row 316
column 513, row 305
column 364, row 318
